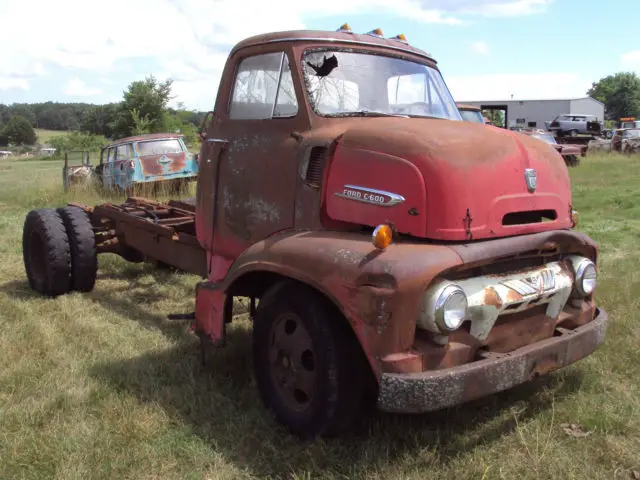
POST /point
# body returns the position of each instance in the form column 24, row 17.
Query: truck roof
column 365, row 39
column 466, row 106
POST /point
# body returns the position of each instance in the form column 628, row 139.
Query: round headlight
column 586, row 278
column 451, row 308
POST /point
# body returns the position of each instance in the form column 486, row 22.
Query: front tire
column 307, row 366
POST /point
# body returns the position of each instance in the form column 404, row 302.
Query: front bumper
column 434, row 390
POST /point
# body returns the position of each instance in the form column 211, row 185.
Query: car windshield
column 545, row 137
column 341, row 83
column 472, row 116
column 159, row 147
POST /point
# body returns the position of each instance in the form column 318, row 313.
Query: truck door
column 210, row 150
column 256, row 179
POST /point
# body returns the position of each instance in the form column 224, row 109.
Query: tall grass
column 102, row 385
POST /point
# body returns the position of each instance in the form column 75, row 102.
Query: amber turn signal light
column 382, row 236
column 575, row 217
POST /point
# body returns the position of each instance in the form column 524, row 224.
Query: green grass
column 45, row 135
column 101, row 385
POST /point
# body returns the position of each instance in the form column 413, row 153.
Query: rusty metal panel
column 434, row 390
column 164, row 232
column 176, row 251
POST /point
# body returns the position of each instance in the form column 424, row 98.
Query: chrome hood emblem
column 370, row 195
column 531, row 177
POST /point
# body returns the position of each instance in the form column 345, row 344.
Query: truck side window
column 110, row 155
column 263, row 88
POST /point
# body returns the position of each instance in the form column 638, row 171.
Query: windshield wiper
column 373, row 113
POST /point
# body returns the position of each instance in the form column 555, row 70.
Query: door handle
column 221, row 141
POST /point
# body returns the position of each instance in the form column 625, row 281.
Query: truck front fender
column 378, row 292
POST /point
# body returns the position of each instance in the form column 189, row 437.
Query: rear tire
column 572, row 160
column 46, row 253
column 82, row 244
column 308, row 368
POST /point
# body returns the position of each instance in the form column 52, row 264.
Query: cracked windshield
column 341, row 83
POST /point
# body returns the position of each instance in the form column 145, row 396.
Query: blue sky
column 487, row 49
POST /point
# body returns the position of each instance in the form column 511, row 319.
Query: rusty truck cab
column 384, row 238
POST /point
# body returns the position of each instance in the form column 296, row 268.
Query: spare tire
column 82, row 245
column 46, row 252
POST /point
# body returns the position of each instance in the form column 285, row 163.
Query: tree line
column 143, row 109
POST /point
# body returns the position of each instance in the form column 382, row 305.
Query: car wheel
column 46, row 253
column 82, row 244
column 573, row 133
column 307, row 370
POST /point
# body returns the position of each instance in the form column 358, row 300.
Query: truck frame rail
column 141, row 229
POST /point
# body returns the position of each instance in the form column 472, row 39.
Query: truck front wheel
column 305, row 362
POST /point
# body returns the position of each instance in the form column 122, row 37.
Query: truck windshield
column 473, row 116
column 347, row 83
column 159, row 147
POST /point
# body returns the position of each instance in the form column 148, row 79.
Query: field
column 45, row 135
column 101, row 385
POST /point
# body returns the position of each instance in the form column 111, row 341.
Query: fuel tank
column 446, row 180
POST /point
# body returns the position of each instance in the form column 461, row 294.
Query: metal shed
column 533, row 113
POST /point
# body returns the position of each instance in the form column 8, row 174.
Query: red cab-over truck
column 392, row 252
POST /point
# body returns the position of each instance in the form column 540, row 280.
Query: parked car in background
column 629, row 122
column 471, row 113
column 569, row 152
column 622, row 136
column 147, row 159
column 574, row 124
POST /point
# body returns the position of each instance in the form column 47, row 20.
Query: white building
column 47, row 152
column 533, row 113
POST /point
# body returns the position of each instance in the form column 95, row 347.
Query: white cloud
column 521, row 86
column 8, row 83
column 631, row 60
column 190, row 39
column 77, row 88
column 480, row 48
column 506, row 8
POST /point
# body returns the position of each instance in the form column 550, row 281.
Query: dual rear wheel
column 59, row 251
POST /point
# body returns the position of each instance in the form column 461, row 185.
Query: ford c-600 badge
column 370, row 195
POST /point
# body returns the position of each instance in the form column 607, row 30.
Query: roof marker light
column 376, row 33
column 345, row 28
column 400, row 37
